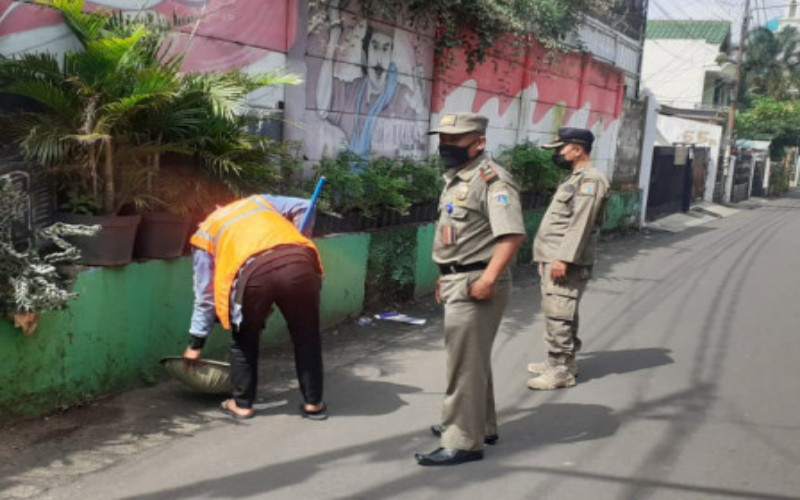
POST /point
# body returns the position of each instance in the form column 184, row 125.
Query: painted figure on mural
column 375, row 111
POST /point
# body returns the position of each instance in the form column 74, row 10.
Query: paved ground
column 687, row 391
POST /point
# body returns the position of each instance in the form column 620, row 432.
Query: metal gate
column 699, row 172
column 34, row 183
column 758, row 177
column 741, row 178
column 670, row 182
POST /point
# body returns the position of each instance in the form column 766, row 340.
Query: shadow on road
column 545, row 425
column 600, row 364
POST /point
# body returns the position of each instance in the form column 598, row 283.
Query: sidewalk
column 702, row 213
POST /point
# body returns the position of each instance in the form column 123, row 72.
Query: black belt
column 459, row 268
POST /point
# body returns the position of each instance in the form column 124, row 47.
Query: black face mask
column 453, row 156
column 562, row 162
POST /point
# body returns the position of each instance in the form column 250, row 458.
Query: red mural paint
column 229, row 36
column 573, row 81
column 267, row 24
column 24, row 17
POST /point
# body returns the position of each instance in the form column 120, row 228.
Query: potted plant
column 32, row 278
column 104, row 116
column 182, row 196
column 80, row 123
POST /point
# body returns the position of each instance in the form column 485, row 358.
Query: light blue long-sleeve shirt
column 204, row 312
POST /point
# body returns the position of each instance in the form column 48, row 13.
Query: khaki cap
column 461, row 123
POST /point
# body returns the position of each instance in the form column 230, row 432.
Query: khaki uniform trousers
column 470, row 326
column 560, row 307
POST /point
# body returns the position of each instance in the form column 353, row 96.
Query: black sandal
column 320, row 414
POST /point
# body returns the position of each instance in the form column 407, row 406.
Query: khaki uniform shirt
column 566, row 231
column 479, row 203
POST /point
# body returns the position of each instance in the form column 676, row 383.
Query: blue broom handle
column 312, row 205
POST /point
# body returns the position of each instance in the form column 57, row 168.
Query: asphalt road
column 688, row 390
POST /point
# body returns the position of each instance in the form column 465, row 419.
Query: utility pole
column 729, row 165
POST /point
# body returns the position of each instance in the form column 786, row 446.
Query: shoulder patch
column 501, row 198
column 488, row 173
column 588, row 188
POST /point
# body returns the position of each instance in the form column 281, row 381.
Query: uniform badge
column 461, row 194
column 588, row 188
column 501, row 198
column 488, row 173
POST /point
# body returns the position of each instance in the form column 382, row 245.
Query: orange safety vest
column 234, row 233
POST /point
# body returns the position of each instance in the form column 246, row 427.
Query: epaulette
column 488, row 173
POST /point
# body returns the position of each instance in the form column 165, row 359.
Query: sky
column 761, row 11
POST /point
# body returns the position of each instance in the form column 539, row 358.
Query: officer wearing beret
column 479, row 231
column 564, row 249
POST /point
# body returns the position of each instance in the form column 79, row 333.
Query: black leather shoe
column 448, row 456
column 491, row 439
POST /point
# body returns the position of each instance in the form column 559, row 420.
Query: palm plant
column 772, row 63
column 122, row 100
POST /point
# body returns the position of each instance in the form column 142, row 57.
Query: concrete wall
column 372, row 87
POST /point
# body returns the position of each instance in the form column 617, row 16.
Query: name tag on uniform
column 449, row 234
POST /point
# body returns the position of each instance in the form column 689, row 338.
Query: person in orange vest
column 247, row 256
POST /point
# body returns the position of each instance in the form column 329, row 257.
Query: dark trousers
column 295, row 288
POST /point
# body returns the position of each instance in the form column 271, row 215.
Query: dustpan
column 209, row 376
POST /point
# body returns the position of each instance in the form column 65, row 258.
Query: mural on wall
column 230, row 34
column 368, row 85
column 253, row 35
column 530, row 97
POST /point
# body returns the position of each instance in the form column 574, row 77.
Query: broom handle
column 312, row 205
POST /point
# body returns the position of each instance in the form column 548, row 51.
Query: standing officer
column 479, row 231
column 564, row 249
column 248, row 255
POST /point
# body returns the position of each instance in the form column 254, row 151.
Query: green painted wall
column 426, row 272
column 345, row 261
column 109, row 339
column 126, row 319
column 622, row 210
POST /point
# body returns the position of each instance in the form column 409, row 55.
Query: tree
column 772, row 63
column 771, row 119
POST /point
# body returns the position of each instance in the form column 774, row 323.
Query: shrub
column 379, row 185
column 532, row 168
